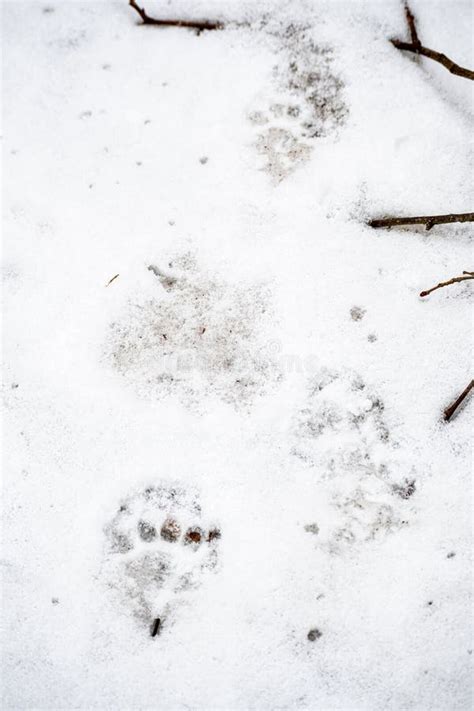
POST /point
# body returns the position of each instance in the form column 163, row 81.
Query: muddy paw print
column 195, row 336
column 158, row 549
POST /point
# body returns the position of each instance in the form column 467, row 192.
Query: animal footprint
column 359, row 469
column 282, row 151
column 306, row 102
column 195, row 336
column 158, row 549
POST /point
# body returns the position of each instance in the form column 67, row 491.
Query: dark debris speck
column 357, row 313
column 405, row 490
column 314, row 634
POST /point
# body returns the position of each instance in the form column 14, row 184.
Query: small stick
column 455, row 280
column 155, row 628
column 428, row 220
column 449, row 412
column 416, row 47
column 412, row 26
column 113, row 279
column 199, row 25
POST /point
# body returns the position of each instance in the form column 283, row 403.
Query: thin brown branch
column 113, row 279
column 455, row 280
column 428, row 220
column 416, row 47
column 412, row 26
column 449, row 412
column 199, row 25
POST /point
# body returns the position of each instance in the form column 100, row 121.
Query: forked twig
column 428, row 220
column 449, row 412
column 416, row 47
column 455, row 280
column 199, row 25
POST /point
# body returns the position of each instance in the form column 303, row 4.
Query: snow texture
column 227, row 481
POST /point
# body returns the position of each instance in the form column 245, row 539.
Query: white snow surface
column 274, row 376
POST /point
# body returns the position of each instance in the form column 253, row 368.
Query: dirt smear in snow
column 200, row 336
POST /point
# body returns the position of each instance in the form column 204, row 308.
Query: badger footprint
column 306, row 102
column 363, row 476
column 158, row 550
column 194, row 336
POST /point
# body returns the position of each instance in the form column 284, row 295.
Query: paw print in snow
column 360, row 472
column 197, row 336
column 341, row 414
column 158, row 549
column 305, row 104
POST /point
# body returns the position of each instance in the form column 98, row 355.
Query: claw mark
column 155, row 628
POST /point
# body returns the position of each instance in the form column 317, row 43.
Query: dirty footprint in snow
column 307, row 104
column 361, row 476
column 195, row 336
column 158, row 550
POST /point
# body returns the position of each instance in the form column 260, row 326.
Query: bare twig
column 416, row 47
column 199, row 25
column 455, row 280
column 449, row 412
column 412, row 26
column 113, row 279
column 428, row 220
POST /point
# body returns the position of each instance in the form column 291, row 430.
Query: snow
column 295, row 403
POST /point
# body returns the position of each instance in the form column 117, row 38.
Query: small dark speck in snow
column 357, row 313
